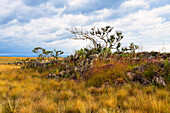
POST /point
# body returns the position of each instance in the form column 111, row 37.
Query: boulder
column 130, row 75
column 156, row 76
column 164, row 56
column 155, row 62
column 145, row 54
column 140, row 68
column 153, row 53
column 51, row 76
column 152, row 57
column 158, row 79
column 138, row 78
column 168, row 54
column 61, row 74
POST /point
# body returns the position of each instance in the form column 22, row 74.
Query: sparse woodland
column 104, row 78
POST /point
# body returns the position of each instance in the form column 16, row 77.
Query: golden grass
column 13, row 59
column 20, row 91
column 17, row 59
column 8, row 67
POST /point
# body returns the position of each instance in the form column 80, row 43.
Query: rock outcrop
column 137, row 74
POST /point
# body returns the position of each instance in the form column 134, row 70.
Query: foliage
column 39, row 51
column 47, row 53
column 42, row 53
column 104, row 34
column 57, row 53
column 103, row 39
column 85, row 53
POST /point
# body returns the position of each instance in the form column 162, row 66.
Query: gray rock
column 130, row 75
column 61, row 74
column 76, row 69
column 164, row 56
column 51, row 76
column 152, row 57
column 138, row 78
column 158, row 79
column 140, row 68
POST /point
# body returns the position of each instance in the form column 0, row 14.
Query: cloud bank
column 25, row 24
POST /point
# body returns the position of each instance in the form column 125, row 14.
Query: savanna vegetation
column 104, row 78
column 5, row 60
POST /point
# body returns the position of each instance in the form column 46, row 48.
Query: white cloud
column 77, row 3
column 39, row 31
column 147, row 26
column 144, row 26
column 102, row 14
column 8, row 6
column 135, row 4
column 165, row 10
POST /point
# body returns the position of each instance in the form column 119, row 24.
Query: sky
column 25, row 24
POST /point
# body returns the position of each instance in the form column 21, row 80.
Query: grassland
column 4, row 60
column 28, row 91
column 13, row 59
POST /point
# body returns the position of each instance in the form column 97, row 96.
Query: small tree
column 47, row 53
column 133, row 48
column 39, row 51
column 96, row 35
column 56, row 53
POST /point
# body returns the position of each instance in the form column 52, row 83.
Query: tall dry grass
column 22, row 91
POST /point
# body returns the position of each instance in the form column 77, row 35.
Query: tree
column 39, row 51
column 96, row 35
column 47, row 53
column 56, row 53
column 133, row 48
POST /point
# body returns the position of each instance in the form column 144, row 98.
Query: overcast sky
column 25, row 24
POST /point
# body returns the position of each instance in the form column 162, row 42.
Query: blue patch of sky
column 51, row 40
column 94, row 6
column 69, row 36
column 59, row 3
column 6, row 19
column 34, row 2
column 159, row 3
column 26, row 15
column 52, row 30
column 9, row 47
